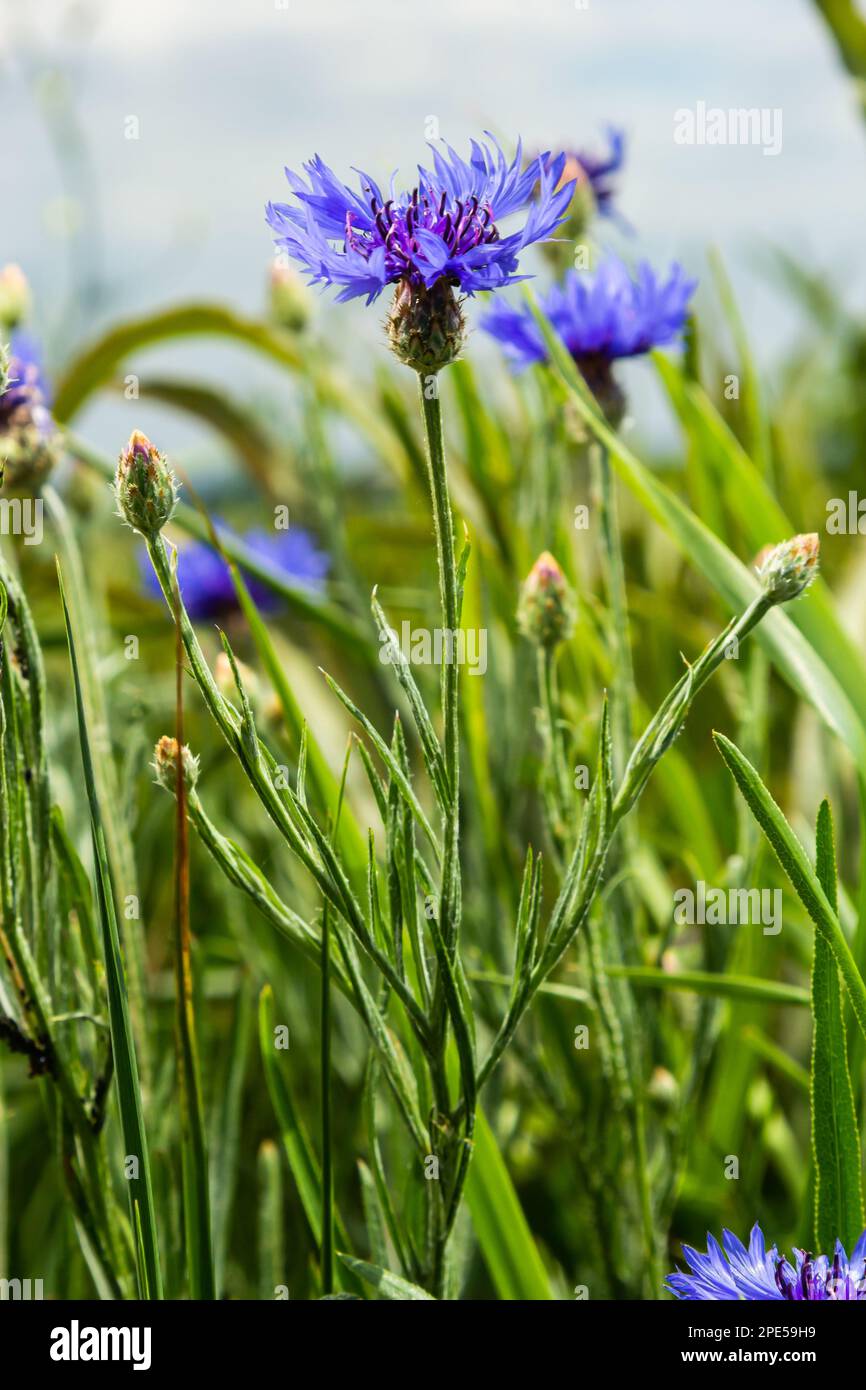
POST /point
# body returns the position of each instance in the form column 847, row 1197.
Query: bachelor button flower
column 206, row 583
column 593, row 192
column 29, row 438
column 596, row 170
column 442, row 235
column 760, row 1275
column 545, row 613
column 600, row 318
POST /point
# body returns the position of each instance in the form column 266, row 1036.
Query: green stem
column 327, row 1161
column 614, row 582
column 554, row 746
column 441, row 1217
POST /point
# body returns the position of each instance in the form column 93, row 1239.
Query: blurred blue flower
column 597, row 170
column 206, row 584
column 600, row 317
column 760, row 1275
column 446, row 227
column 27, row 396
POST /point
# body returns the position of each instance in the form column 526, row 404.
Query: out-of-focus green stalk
column 272, row 1261
column 142, row 1213
column 124, row 881
column 196, row 1188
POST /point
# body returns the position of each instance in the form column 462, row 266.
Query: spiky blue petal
column 603, row 316
column 760, row 1275
column 447, row 226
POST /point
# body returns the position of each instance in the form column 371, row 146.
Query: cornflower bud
column 165, row 765
column 14, row 296
column 787, row 570
column 144, row 486
column 291, row 301
column 426, row 328
column 546, row 611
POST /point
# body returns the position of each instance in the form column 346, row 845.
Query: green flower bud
column 663, row 1088
column 546, row 612
column 145, row 487
column 14, row 296
column 291, row 302
column 165, row 765
column 787, row 570
column 426, row 328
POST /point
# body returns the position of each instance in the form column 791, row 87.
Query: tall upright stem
column 449, row 892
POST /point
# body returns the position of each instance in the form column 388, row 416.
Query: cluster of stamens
column 462, row 226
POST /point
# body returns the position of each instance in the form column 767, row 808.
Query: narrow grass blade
column 706, row 982
column 299, row 1153
column 389, row 1285
column 137, row 1160
column 795, row 862
column 838, row 1187
column 509, row 1251
column 271, row 1242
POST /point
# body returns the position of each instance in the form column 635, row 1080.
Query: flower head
column 787, row 570
column 757, row 1274
column 206, row 583
column 545, row 613
column 144, row 486
column 599, row 317
column 596, row 170
column 29, row 438
column 445, row 228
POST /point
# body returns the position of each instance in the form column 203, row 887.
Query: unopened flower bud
column 14, row 296
column 787, row 570
column 546, row 612
column 145, row 487
column 291, row 301
column 663, row 1088
column 426, row 328
column 165, row 765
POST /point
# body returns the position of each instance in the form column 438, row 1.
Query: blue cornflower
column 206, row 584
column 760, row 1275
column 446, row 227
column 25, row 384
column 29, row 440
column 605, row 315
column 600, row 318
column 597, row 170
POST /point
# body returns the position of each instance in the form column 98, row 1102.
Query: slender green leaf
column 509, row 1251
column 838, row 1187
column 137, row 1159
column 795, row 862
